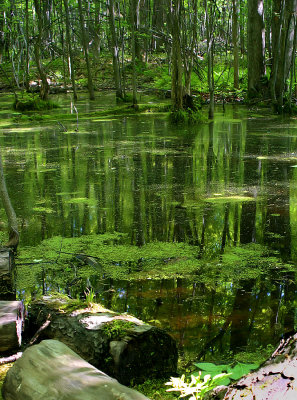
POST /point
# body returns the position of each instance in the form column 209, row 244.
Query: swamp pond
column 192, row 228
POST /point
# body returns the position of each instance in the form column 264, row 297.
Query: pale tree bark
column 69, row 47
column 86, row 50
column 10, row 213
column 256, row 46
column 189, row 45
column 235, row 43
column 134, row 14
column 114, row 50
column 44, row 91
column 209, row 17
column 176, row 57
column 27, row 60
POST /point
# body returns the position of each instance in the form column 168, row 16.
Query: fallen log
column 11, row 324
column 51, row 370
column 275, row 380
column 120, row 345
column 7, row 291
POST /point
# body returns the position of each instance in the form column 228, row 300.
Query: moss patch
column 3, row 372
column 32, row 103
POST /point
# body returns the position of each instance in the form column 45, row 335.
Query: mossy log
column 120, row 345
column 51, row 370
column 11, row 323
column 275, row 380
column 6, row 270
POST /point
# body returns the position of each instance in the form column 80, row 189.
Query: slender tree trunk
column 283, row 43
column 97, row 27
column 133, row 14
column 27, row 60
column 235, row 43
column 176, row 58
column 44, row 92
column 256, row 46
column 241, row 27
column 210, row 50
column 115, row 51
column 69, row 47
column 189, row 54
column 10, row 213
column 86, row 50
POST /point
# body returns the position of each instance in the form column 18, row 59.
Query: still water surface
column 215, row 186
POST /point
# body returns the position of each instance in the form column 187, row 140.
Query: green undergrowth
column 187, row 116
column 155, row 389
column 29, row 102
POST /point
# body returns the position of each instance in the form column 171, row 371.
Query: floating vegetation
column 45, row 210
column 82, row 200
column 229, row 199
column 64, row 260
column 279, row 157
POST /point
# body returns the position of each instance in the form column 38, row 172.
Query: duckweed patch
column 65, row 262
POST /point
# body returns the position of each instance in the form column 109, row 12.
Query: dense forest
column 243, row 47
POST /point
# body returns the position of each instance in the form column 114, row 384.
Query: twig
column 10, row 359
column 38, row 262
column 79, row 254
column 40, row 330
column 62, row 126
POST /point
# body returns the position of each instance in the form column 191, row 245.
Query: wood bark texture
column 139, row 352
column 51, row 370
column 11, row 323
column 275, row 380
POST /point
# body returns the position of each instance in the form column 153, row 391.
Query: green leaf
column 212, row 368
column 240, row 370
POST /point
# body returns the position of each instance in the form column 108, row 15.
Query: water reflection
column 215, row 186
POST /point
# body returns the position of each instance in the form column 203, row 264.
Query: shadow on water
column 215, row 187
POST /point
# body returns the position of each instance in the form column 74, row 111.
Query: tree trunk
column 69, row 47
column 120, row 345
column 86, row 50
column 189, row 48
column 235, row 43
column 210, row 50
column 283, row 43
column 114, row 51
column 11, row 324
column 133, row 16
column 27, row 83
column 51, row 370
column 256, row 46
column 44, row 92
column 176, row 58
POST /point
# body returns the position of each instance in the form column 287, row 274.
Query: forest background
column 238, row 47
